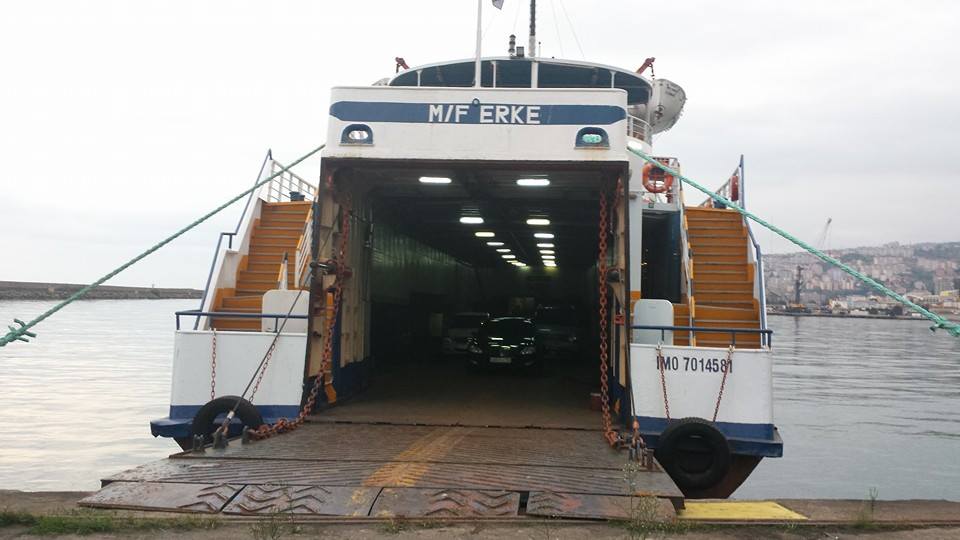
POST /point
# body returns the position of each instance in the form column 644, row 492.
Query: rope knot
column 17, row 334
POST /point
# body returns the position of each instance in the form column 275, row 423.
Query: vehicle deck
column 478, row 445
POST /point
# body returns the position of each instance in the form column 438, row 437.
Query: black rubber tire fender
column 703, row 434
column 203, row 420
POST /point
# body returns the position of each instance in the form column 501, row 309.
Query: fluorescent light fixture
column 518, row 264
column 495, row 244
column 484, row 234
column 543, row 235
column 435, row 180
column 508, row 256
column 547, row 252
column 538, row 221
column 471, row 220
column 503, row 250
column 550, row 264
column 547, row 245
column 533, row 182
column 548, row 257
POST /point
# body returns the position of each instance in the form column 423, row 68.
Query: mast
column 532, row 45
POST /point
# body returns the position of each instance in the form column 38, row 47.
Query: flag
column 498, row 4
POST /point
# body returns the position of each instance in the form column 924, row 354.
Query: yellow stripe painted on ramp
column 738, row 511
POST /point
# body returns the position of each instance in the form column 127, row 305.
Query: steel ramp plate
column 585, row 506
column 356, row 469
column 445, row 503
column 303, row 500
column 169, row 496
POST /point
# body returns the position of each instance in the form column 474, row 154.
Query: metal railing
column 637, row 128
column 280, row 188
column 302, row 256
column 766, row 335
column 732, row 189
column 277, row 190
column 230, row 235
column 686, row 260
column 234, row 315
column 761, row 283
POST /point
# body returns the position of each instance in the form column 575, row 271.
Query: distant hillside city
column 925, row 273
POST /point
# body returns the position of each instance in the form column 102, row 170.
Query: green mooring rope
column 938, row 320
column 22, row 332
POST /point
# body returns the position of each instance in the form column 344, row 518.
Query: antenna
column 532, row 45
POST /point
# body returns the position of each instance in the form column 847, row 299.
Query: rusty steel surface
column 384, row 470
column 578, row 505
column 401, row 474
column 178, row 497
column 436, row 444
column 303, row 500
column 446, row 503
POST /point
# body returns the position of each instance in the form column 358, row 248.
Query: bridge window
column 564, row 76
column 513, row 73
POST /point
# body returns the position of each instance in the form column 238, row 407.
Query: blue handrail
column 230, row 235
column 764, row 332
column 756, row 248
column 234, row 315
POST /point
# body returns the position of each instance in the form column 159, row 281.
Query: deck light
column 435, row 180
column 471, row 220
column 547, row 245
column 547, row 252
column 508, row 256
column 533, row 182
column 538, row 221
column 495, row 244
column 484, row 234
column 543, row 235
column 503, row 250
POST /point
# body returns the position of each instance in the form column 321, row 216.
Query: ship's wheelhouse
column 515, row 72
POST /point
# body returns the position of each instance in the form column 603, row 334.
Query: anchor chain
column 213, row 367
column 663, row 379
column 634, row 442
column 726, row 369
column 284, row 425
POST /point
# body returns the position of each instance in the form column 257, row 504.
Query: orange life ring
column 655, row 179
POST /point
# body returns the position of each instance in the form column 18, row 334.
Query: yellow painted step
column 237, row 324
column 233, row 302
column 737, row 511
column 702, row 285
column 725, row 313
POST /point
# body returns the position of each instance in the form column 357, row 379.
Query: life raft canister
column 655, row 179
column 694, row 453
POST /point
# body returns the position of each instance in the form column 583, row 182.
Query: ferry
column 509, row 187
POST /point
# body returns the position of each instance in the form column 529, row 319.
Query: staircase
column 276, row 232
column 722, row 284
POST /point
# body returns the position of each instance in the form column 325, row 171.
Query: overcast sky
column 122, row 121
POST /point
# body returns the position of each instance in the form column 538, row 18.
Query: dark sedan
column 505, row 341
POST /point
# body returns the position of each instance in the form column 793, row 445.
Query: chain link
column 606, row 419
column 213, row 367
column 663, row 379
column 324, row 378
column 723, row 381
column 263, row 370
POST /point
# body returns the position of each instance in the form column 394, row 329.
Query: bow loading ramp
column 414, row 432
